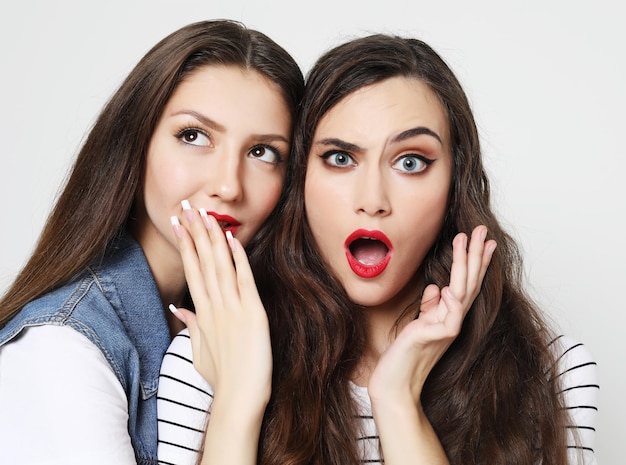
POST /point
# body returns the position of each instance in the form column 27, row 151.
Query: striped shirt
column 184, row 401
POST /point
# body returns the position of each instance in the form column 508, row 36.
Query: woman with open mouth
column 401, row 332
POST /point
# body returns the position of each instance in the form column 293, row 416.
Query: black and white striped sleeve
column 580, row 388
column 183, row 404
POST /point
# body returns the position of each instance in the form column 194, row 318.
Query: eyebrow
column 205, row 120
column 404, row 135
column 202, row 118
column 418, row 131
column 342, row 144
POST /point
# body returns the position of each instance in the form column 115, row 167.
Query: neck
column 384, row 323
column 166, row 266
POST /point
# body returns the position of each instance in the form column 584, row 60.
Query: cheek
column 170, row 171
column 421, row 223
column 324, row 195
column 159, row 188
column 315, row 206
column 324, row 217
column 264, row 198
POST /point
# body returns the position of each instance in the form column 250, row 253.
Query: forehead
column 386, row 107
column 228, row 79
column 232, row 94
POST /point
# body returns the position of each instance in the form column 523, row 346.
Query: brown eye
column 265, row 153
column 193, row 136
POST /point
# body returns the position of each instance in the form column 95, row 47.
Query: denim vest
column 115, row 304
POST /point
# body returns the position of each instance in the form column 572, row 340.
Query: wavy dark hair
column 494, row 395
column 109, row 170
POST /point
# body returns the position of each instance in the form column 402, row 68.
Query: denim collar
column 126, row 280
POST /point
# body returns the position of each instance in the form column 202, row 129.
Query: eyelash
column 427, row 161
column 187, row 129
column 422, row 158
column 279, row 154
column 326, row 155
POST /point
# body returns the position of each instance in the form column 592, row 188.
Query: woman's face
column 376, row 191
column 221, row 143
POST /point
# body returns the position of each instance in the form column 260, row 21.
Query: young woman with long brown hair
column 400, row 333
column 205, row 116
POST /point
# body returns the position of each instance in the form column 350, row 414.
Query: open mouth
column 368, row 252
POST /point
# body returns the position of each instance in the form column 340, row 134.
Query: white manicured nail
column 176, row 313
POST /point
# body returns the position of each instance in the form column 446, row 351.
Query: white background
column 546, row 80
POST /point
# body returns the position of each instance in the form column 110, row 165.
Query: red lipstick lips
column 226, row 222
column 368, row 252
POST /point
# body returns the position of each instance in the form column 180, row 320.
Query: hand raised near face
column 404, row 366
column 229, row 330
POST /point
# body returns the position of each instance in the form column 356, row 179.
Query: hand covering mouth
column 226, row 222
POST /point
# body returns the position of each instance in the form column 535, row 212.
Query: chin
column 365, row 298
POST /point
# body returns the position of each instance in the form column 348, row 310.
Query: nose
column 227, row 176
column 372, row 196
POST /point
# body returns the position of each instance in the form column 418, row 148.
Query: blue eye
column 193, row 136
column 339, row 159
column 266, row 153
column 412, row 163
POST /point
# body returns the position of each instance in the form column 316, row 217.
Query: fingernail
column 187, row 209
column 491, row 248
column 205, row 217
column 176, row 226
column 229, row 239
column 176, row 313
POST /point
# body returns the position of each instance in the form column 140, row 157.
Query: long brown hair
column 97, row 200
column 493, row 397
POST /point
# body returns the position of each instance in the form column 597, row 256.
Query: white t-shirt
column 184, row 400
column 60, row 402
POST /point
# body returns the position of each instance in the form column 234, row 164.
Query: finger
column 430, row 298
column 490, row 248
column 223, row 264
column 204, row 253
column 457, row 311
column 191, row 264
column 181, row 313
column 458, row 271
column 195, row 334
column 475, row 260
column 245, row 278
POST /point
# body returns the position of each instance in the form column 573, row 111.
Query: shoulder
column 54, row 307
column 56, row 352
column 55, row 362
column 574, row 358
column 578, row 375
